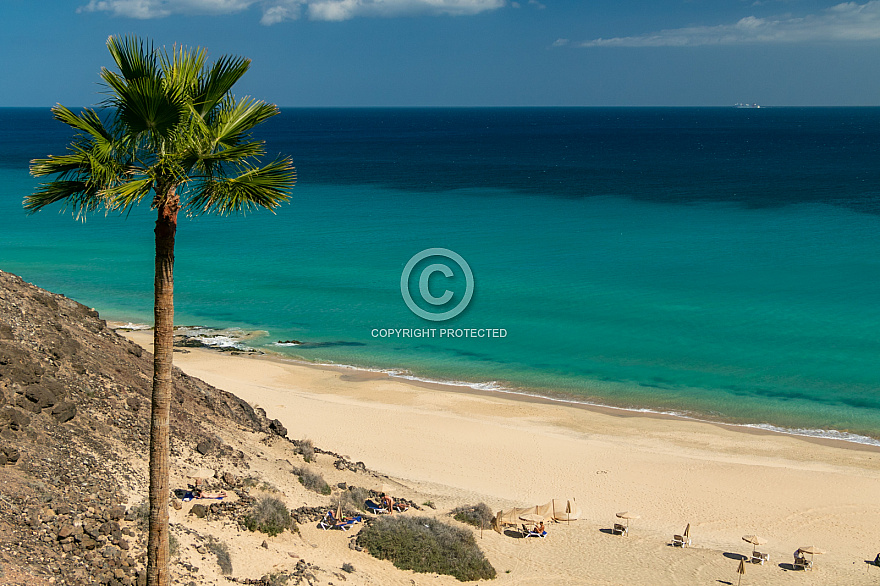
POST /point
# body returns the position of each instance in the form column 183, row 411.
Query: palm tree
column 169, row 126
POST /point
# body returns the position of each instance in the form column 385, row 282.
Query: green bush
column 477, row 515
column 426, row 545
column 353, row 499
column 173, row 546
column 306, row 448
column 270, row 516
column 312, row 480
column 141, row 513
column 219, row 549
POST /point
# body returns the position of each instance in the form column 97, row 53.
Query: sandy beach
column 454, row 447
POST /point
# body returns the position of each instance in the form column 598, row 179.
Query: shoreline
column 830, row 437
column 457, row 446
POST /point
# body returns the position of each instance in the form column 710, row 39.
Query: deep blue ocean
column 720, row 263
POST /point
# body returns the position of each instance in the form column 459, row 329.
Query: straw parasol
column 628, row 515
column 812, row 550
column 755, row 541
column 687, row 532
column 531, row 518
column 741, row 570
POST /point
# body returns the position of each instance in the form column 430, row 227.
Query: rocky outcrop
column 74, row 412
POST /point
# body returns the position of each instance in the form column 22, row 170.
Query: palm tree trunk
column 163, row 346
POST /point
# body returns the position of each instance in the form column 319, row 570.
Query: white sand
column 455, row 448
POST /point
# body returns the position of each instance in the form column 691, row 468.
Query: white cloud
column 162, row 8
column 346, row 9
column 844, row 22
column 275, row 11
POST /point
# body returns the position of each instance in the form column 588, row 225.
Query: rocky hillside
column 74, row 435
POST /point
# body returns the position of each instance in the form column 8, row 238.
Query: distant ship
column 745, row 105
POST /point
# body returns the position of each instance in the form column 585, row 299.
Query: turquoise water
column 749, row 297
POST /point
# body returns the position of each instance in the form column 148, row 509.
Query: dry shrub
column 426, row 545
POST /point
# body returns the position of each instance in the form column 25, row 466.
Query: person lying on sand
column 212, row 495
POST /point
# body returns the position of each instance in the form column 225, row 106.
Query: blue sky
column 469, row 52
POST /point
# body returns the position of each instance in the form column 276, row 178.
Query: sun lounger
column 400, row 506
column 532, row 533
column 681, row 541
column 620, row 528
column 375, row 508
column 329, row 522
column 760, row 558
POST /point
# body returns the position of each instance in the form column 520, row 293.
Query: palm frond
column 171, row 123
column 134, row 57
column 86, row 121
column 128, row 194
column 184, row 68
column 79, row 196
column 60, row 164
column 217, row 83
column 208, row 162
column 147, row 104
column 238, row 118
column 266, row 187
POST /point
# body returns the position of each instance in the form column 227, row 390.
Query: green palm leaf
column 266, row 187
column 216, row 84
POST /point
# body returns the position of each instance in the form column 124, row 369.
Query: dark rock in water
column 199, row 511
column 278, row 428
column 64, row 412
column 40, row 395
column 205, row 447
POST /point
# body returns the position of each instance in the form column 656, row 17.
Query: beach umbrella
column 754, row 540
column 498, row 525
column 687, row 531
column 531, row 518
column 202, row 473
column 741, row 570
column 812, row 550
column 628, row 515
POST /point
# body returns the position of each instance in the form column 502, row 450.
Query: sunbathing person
column 387, row 502
column 539, row 528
